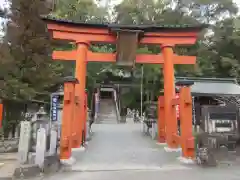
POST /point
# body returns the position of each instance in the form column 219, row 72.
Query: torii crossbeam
column 127, row 39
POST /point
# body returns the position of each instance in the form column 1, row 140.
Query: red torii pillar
column 165, row 36
column 169, row 94
column 185, row 139
column 68, row 118
column 81, row 66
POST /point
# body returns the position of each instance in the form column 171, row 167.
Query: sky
column 2, row 2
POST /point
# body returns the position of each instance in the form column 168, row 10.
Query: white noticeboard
column 24, row 141
column 41, row 147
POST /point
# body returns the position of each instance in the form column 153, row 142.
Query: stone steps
column 107, row 112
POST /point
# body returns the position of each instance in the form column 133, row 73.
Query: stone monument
column 24, row 142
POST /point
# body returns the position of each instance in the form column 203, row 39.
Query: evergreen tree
column 26, row 52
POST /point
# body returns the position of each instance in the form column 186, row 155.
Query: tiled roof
column 213, row 86
column 145, row 28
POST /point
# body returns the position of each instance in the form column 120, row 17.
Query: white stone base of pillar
column 186, row 160
column 78, row 149
column 161, row 144
column 68, row 162
column 167, row 149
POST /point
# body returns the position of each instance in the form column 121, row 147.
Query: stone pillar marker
column 53, row 142
column 40, row 147
column 154, row 128
column 24, row 142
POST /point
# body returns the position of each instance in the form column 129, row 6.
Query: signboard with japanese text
column 54, row 108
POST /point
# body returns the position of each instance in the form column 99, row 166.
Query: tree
column 26, row 48
column 84, row 11
column 215, row 53
column 2, row 13
column 213, row 49
column 222, row 51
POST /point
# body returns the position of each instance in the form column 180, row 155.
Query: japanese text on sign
column 54, row 107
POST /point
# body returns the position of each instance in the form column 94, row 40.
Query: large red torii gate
column 83, row 34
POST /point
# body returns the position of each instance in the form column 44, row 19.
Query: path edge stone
column 51, row 165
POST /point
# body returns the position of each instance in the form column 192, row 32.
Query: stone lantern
column 40, row 120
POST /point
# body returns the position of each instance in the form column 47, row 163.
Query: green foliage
column 27, row 67
column 217, row 53
column 81, row 11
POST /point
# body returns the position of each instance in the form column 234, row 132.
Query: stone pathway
column 122, row 152
column 122, row 147
column 8, row 162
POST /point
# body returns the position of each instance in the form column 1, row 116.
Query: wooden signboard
column 127, row 44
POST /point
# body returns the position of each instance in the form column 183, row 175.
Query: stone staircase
column 107, row 112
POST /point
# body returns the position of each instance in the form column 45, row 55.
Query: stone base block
column 167, row 149
column 161, row 144
column 186, row 160
column 68, row 162
column 78, row 149
column 51, row 165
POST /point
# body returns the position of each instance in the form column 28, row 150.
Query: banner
column 177, row 107
column 193, row 111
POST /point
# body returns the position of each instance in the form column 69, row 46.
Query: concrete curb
column 8, row 156
column 27, row 171
column 6, row 178
column 7, row 169
column 51, row 165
